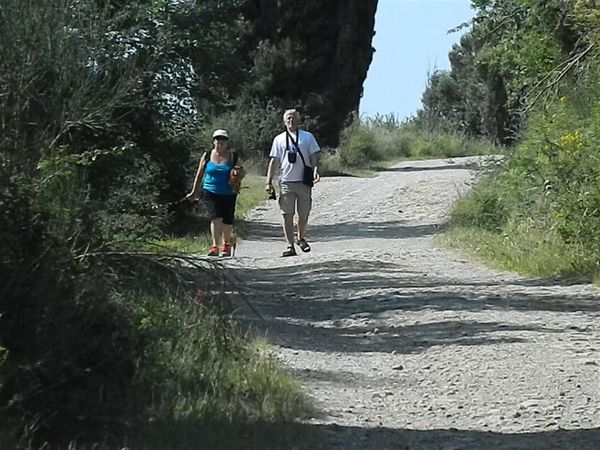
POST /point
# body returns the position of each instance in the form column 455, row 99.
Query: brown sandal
column 303, row 245
column 291, row 251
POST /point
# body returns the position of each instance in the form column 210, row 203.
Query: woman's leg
column 216, row 230
column 228, row 214
column 226, row 233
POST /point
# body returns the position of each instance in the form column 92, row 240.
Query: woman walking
column 219, row 176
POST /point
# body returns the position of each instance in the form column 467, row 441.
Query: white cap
column 220, row 133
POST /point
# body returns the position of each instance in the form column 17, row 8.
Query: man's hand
column 316, row 176
column 271, row 191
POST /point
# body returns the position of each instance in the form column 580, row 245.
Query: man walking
column 295, row 152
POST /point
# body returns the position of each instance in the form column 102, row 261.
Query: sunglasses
column 221, row 138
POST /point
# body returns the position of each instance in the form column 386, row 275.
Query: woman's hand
column 241, row 172
column 192, row 196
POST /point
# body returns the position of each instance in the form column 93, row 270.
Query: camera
column 291, row 157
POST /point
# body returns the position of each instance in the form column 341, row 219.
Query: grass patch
column 195, row 381
column 211, row 373
column 188, row 244
column 488, row 225
column 528, row 251
column 252, row 195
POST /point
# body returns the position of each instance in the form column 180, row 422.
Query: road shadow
column 402, row 339
column 307, row 436
column 334, row 437
column 355, row 296
column 396, row 229
column 262, row 231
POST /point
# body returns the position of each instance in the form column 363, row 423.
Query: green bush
column 392, row 144
column 60, row 376
column 483, row 208
column 450, row 145
column 567, row 161
column 141, row 352
column 358, row 147
column 384, row 138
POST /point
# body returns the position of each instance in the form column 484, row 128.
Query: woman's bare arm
column 198, row 177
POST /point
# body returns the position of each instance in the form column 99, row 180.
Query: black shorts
column 220, row 206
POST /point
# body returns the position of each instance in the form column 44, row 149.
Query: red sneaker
column 213, row 251
column 226, row 250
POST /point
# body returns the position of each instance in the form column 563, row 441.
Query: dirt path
column 405, row 345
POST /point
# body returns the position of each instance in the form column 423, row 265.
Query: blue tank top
column 216, row 178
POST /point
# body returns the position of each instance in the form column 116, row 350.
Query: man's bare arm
column 271, row 172
column 314, row 162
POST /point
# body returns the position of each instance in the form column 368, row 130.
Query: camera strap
column 288, row 138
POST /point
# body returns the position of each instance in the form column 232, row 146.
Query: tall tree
column 314, row 55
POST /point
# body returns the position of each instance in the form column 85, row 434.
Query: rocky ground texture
column 406, row 345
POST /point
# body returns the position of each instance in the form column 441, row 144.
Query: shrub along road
column 406, row 345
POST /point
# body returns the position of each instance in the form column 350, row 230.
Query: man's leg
column 302, row 222
column 288, row 229
column 304, row 207
column 287, row 204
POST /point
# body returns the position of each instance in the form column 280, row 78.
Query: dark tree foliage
column 314, row 55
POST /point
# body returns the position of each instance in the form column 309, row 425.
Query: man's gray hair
column 290, row 112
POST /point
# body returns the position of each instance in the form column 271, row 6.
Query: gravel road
column 407, row 345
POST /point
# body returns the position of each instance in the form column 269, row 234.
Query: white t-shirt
column 282, row 144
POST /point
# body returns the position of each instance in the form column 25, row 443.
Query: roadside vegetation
column 537, row 213
column 110, row 339
column 526, row 76
column 374, row 143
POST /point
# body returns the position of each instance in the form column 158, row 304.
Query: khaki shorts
column 295, row 196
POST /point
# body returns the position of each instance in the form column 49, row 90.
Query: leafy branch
column 563, row 68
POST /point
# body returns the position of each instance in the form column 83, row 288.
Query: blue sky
column 411, row 39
